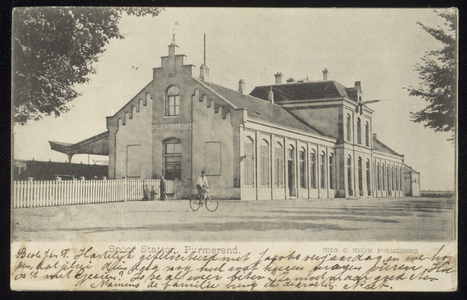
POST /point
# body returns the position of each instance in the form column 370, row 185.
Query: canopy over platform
column 98, row 145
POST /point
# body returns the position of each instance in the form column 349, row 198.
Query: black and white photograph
column 234, row 149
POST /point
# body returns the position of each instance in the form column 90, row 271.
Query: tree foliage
column 54, row 49
column 438, row 75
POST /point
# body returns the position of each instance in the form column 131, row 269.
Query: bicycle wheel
column 195, row 203
column 212, row 203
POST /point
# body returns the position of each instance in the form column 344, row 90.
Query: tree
column 438, row 73
column 54, row 49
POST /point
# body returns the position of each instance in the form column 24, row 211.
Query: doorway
column 291, row 171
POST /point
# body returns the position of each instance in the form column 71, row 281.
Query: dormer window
column 173, row 101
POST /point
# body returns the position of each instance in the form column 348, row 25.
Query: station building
column 288, row 140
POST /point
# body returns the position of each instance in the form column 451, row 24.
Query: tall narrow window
column 397, row 178
column 359, row 130
column 264, row 163
column 173, row 101
column 302, row 161
column 313, row 169
column 249, row 162
column 331, row 171
column 401, row 177
column 349, row 127
column 392, row 178
column 360, row 175
column 387, row 175
column 349, row 175
column 279, row 166
column 173, row 159
column 368, row 177
column 378, row 175
column 383, row 174
column 291, row 161
column 323, row 170
column 367, row 134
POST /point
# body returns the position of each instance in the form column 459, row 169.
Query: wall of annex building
column 388, row 175
column 130, row 139
column 280, row 165
column 412, row 184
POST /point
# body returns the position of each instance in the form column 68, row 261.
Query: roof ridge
column 246, row 95
column 386, row 147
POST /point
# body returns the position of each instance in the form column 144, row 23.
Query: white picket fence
column 54, row 193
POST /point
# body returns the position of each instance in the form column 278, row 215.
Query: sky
column 378, row 47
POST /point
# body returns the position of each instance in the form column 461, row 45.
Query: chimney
column 278, row 76
column 271, row 95
column 325, row 74
column 290, row 80
column 241, row 86
column 204, row 70
column 204, row 73
column 358, row 86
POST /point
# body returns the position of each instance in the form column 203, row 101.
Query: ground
column 406, row 219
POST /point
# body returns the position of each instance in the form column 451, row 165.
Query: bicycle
column 210, row 201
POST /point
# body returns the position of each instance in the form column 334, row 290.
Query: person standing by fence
column 162, row 187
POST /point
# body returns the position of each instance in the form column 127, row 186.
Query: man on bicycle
column 202, row 185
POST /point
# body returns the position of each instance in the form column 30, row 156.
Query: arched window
column 173, row 159
column 367, row 134
column 249, row 163
column 349, row 128
column 401, row 177
column 323, row 170
column 331, row 171
column 360, row 175
column 392, row 178
column 396, row 170
column 383, row 174
column 359, row 130
column 173, row 101
column 368, row 177
column 264, row 163
column 378, row 175
column 313, row 169
column 388, row 177
column 291, row 170
column 279, row 166
column 302, row 161
column 349, row 175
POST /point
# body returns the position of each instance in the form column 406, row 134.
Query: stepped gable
column 379, row 146
column 329, row 89
column 263, row 110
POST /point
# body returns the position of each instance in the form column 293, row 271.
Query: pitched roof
column 304, row 91
column 408, row 169
column 379, row 146
column 263, row 110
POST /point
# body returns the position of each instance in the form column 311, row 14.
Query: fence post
column 125, row 190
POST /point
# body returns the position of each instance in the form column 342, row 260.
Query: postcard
column 234, row 149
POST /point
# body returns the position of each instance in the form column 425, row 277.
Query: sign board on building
column 172, row 126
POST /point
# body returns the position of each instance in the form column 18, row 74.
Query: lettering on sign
column 171, row 126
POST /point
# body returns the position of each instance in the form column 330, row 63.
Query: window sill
column 171, row 117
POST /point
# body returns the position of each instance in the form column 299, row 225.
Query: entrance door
column 291, row 171
column 173, row 159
